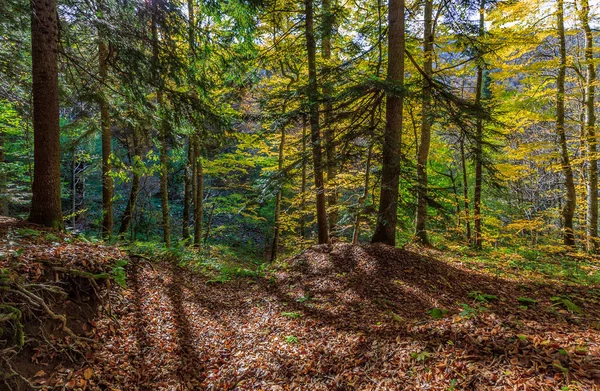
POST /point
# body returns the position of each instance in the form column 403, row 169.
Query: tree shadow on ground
column 362, row 315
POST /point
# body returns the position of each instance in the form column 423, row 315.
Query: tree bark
column 187, row 191
column 478, row 239
column 3, row 195
column 199, row 196
column 46, row 206
column 590, row 124
column 127, row 217
column 330, row 155
column 465, row 178
column 315, row 132
column 107, row 180
column 277, row 222
column 426, row 114
column 162, row 132
column 571, row 200
column 364, row 196
column 385, row 231
column 303, row 184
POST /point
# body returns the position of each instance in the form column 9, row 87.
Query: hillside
column 334, row 317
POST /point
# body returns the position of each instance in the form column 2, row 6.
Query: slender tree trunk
column 187, row 191
column 456, row 198
column 571, row 200
column 364, row 197
column 463, row 161
column 315, row 132
column 478, row 240
column 127, row 217
column 73, row 193
column 3, row 195
column 199, row 197
column 303, row 185
column 385, row 231
column 277, row 222
column 209, row 222
column 46, row 203
column 590, row 123
column 107, row 180
column 327, row 30
column 162, row 133
column 426, row 114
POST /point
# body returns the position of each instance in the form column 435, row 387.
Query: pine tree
column 46, row 202
column 385, row 231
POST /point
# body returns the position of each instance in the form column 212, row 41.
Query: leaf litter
column 362, row 319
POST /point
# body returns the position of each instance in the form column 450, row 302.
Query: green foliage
column 293, row 315
column 304, row 299
column 527, row 302
column 482, row 297
column 28, row 233
column 468, row 312
column 118, row 272
column 437, row 313
column 291, row 339
column 566, row 303
column 421, row 356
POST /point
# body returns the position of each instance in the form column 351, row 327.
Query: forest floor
column 338, row 317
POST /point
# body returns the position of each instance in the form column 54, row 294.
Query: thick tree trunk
column 478, row 240
column 426, row 114
column 277, row 222
column 199, row 196
column 385, row 231
column 46, row 203
column 590, row 124
column 162, row 132
column 315, row 132
column 107, row 180
column 330, row 155
column 571, row 200
column 187, row 191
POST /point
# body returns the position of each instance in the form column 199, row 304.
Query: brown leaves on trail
column 336, row 317
column 343, row 317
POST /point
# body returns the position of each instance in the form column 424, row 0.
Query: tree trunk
column 277, row 222
column 187, row 191
column 571, row 200
column 209, row 222
column 162, row 132
column 590, row 123
column 385, row 231
column 135, row 185
column 463, row 161
column 364, row 197
column 478, row 240
column 46, row 203
column 327, row 30
column 303, row 185
column 3, row 195
column 313, row 97
column 426, row 114
column 107, row 180
column 198, row 197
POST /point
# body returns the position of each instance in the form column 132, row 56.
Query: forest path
column 340, row 319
